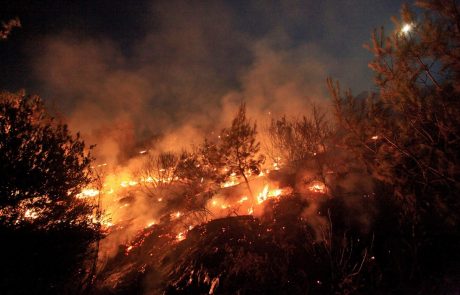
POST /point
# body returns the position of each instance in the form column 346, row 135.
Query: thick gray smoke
column 186, row 77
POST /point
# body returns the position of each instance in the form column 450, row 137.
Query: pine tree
column 239, row 148
column 409, row 132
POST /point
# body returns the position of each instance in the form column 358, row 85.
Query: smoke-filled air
column 230, row 147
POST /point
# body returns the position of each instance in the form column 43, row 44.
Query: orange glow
column 231, row 182
column 268, row 194
column 31, row 214
column 151, row 223
column 176, row 215
column 117, row 200
column 317, row 187
column 181, row 236
column 88, row 193
column 243, row 199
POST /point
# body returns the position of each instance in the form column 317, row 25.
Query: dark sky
column 338, row 27
column 182, row 64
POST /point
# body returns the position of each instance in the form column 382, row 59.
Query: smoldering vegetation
column 306, row 227
column 239, row 177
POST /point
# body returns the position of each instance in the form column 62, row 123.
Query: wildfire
column 129, row 249
column 268, row 194
column 113, row 183
column 107, row 224
column 88, row 193
column 317, row 187
column 151, row 223
column 181, row 236
column 30, row 214
column 243, row 199
column 176, row 215
column 231, row 182
column 119, row 183
column 219, row 203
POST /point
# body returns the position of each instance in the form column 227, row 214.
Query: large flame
column 117, row 185
column 268, row 194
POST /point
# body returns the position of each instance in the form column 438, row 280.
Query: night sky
column 148, row 67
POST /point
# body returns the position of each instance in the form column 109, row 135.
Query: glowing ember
column 243, row 199
column 148, row 179
column 317, row 187
column 214, row 285
column 176, row 215
column 107, row 224
column 275, row 193
column 128, row 249
column 30, row 214
column 180, row 236
column 88, row 193
column 231, row 182
column 150, row 224
column 375, row 137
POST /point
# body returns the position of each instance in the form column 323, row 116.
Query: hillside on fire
column 272, row 188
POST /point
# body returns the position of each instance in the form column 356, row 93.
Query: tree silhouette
column 49, row 230
column 238, row 148
column 43, row 167
column 408, row 133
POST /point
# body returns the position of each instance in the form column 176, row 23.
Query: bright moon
column 406, row 28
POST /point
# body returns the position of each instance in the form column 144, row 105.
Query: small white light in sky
column 406, row 28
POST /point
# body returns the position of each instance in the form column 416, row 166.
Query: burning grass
column 278, row 252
